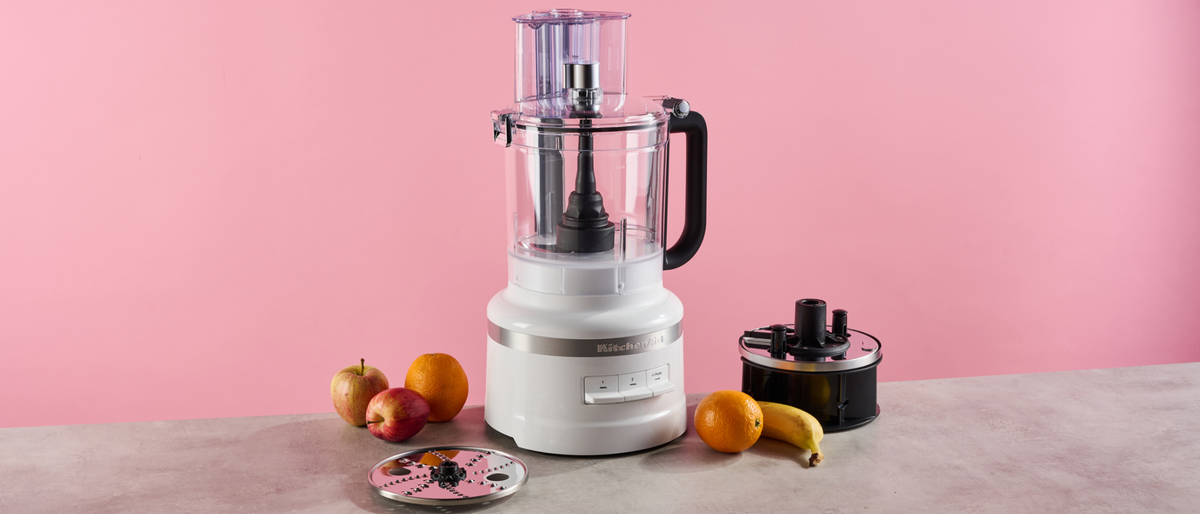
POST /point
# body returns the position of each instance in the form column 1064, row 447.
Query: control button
column 658, row 381
column 656, row 375
column 598, row 390
column 633, row 386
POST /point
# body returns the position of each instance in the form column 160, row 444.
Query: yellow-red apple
column 352, row 389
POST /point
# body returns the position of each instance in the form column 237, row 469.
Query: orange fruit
column 728, row 421
column 443, row 383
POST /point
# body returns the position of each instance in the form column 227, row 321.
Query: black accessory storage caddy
column 827, row 373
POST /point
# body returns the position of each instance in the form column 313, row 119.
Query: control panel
column 627, row 387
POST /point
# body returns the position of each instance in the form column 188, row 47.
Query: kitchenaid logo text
column 631, row 345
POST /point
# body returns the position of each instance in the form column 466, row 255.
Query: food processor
column 585, row 345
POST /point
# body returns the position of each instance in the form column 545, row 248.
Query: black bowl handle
column 695, row 209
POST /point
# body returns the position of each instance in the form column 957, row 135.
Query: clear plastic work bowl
column 629, row 151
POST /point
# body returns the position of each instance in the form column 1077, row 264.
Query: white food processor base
column 620, row 389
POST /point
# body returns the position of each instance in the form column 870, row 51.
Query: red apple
column 352, row 389
column 397, row 414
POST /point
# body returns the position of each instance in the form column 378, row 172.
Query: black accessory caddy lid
column 806, row 346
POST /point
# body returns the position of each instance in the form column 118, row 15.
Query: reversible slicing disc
column 448, row 475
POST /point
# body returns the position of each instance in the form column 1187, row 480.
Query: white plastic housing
column 585, row 278
column 539, row 400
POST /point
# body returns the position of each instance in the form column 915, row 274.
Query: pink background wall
column 208, row 208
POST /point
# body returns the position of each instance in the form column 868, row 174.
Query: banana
column 792, row 425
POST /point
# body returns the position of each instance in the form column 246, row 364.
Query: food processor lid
column 448, row 475
column 864, row 350
column 615, row 113
column 568, row 16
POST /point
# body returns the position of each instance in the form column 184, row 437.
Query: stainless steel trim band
column 559, row 347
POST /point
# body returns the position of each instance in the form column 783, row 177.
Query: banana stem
column 815, row 459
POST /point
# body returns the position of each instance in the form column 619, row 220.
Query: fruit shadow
column 779, row 450
column 466, row 429
column 687, row 454
column 342, row 455
column 311, row 463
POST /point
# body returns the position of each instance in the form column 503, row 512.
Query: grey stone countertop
column 1109, row 440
